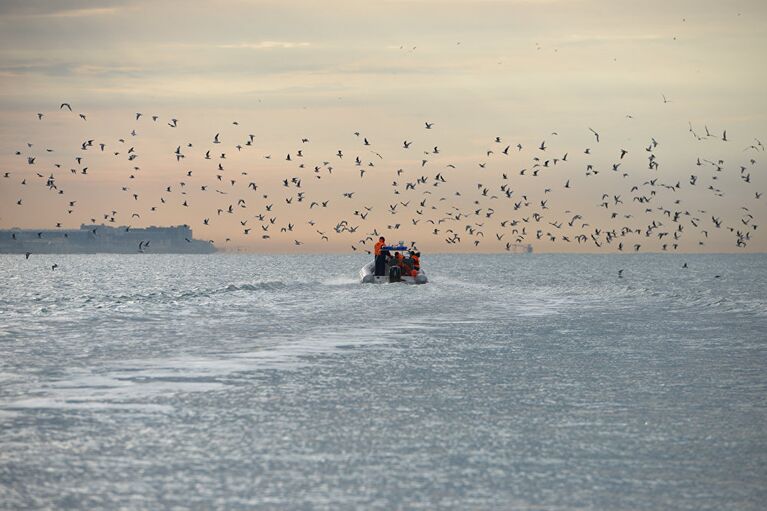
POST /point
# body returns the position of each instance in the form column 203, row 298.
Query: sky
column 521, row 71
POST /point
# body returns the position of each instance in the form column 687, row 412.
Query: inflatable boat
column 393, row 272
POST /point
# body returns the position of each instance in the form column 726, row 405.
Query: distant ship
column 93, row 239
column 519, row 248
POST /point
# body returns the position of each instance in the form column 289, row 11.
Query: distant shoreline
column 103, row 239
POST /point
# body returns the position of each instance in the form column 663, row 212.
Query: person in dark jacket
column 380, row 257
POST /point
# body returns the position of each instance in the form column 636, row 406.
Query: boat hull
column 368, row 276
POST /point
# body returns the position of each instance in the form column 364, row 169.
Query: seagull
column 595, row 134
column 65, row 105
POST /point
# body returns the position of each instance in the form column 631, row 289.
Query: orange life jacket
column 416, row 262
column 378, row 247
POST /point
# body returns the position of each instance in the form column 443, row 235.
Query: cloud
column 63, row 9
column 45, row 69
column 612, row 38
column 80, row 13
column 265, row 45
column 107, row 70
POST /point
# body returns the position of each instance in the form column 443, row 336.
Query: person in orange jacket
column 400, row 261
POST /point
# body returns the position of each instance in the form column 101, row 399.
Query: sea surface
column 539, row 381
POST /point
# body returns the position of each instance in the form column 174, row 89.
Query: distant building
column 92, row 239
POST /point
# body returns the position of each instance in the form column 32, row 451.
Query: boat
column 392, row 272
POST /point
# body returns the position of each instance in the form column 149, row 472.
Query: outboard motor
column 395, row 274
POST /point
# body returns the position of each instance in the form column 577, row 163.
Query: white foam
column 59, row 404
column 340, row 281
column 129, row 384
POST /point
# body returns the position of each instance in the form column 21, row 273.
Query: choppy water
column 508, row 382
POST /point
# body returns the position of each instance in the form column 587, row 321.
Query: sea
column 520, row 382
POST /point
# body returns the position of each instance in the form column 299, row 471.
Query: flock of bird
column 643, row 207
